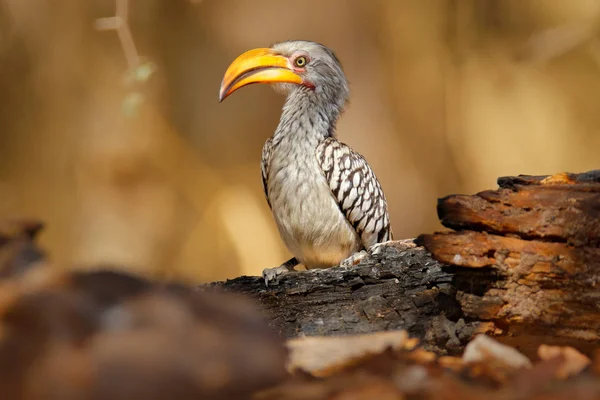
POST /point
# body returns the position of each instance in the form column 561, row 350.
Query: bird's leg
column 271, row 274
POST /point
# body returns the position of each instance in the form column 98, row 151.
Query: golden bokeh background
column 159, row 178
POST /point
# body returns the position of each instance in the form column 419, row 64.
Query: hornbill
column 327, row 202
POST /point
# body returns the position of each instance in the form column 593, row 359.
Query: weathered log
column 399, row 286
column 525, row 266
column 540, row 287
column 561, row 208
column 540, row 238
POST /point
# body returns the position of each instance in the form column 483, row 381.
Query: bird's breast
column 307, row 215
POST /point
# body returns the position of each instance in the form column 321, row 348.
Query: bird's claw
column 354, row 259
column 404, row 244
column 376, row 249
column 271, row 274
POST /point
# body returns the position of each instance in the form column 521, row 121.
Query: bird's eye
column 300, row 62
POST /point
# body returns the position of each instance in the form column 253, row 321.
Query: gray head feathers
column 330, row 92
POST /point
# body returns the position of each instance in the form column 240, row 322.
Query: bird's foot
column 270, row 275
column 398, row 244
column 376, row 249
column 354, row 259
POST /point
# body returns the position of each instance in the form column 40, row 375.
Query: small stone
column 573, row 361
column 484, row 349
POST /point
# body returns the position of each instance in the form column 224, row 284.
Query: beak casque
column 260, row 65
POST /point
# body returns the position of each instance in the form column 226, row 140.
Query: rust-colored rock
column 549, row 209
column 107, row 335
column 527, row 256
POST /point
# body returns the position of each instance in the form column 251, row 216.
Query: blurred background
column 115, row 138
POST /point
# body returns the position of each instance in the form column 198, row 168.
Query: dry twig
column 119, row 23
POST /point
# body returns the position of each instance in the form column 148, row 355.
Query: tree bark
column 522, row 265
column 397, row 287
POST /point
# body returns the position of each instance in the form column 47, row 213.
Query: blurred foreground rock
column 489, row 370
column 109, row 335
column 18, row 249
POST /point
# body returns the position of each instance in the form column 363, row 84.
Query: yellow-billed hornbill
column 326, row 200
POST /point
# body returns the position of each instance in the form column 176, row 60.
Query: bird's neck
column 307, row 116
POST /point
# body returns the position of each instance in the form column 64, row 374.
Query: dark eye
column 300, row 62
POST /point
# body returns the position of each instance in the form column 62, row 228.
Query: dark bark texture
column 398, row 287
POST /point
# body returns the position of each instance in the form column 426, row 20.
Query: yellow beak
column 261, row 65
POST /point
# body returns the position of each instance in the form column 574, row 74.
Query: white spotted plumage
column 357, row 190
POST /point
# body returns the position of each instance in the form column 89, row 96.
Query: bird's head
column 292, row 67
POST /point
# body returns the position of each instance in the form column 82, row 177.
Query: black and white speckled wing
column 357, row 191
column 264, row 166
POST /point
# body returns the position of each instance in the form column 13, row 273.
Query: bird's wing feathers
column 264, row 166
column 356, row 189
